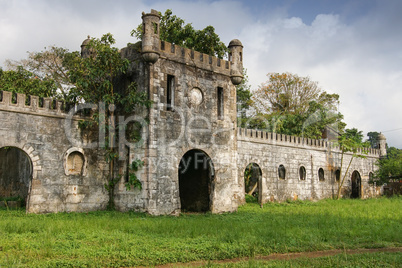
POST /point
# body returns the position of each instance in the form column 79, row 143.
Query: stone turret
column 236, row 59
column 150, row 37
column 382, row 145
column 85, row 51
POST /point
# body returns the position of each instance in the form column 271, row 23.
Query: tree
column 350, row 141
column 373, row 138
column 355, row 135
column 294, row 105
column 23, row 81
column 174, row 30
column 94, row 79
column 244, row 101
column 48, row 64
column 389, row 168
column 285, row 93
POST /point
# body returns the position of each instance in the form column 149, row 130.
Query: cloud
column 354, row 51
column 345, row 58
column 28, row 26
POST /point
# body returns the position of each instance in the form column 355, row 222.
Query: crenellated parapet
column 257, row 136
column 152, row 49
column 191, row 57
column 21, row 103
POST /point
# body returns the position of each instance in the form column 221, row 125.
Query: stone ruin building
column 195, row 155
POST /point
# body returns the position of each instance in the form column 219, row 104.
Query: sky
column 352, row 48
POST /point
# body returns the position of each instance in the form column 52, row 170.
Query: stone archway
column 356, row 185
column 16, row 171
column 196, row 173
column 252, row 179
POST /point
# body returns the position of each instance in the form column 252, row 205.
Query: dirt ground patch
column 287, row 256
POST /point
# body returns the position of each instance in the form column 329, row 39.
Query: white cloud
column 340, row 58
column 360, row 58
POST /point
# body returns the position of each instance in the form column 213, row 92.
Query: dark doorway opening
column 252, row 177
column 196, row 173
column 356, row 185
column 252, row 182
column 337, row 175
column 15, row 174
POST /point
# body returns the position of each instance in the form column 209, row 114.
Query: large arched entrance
column 196, row 173
column 15, row 174
column 356, row 185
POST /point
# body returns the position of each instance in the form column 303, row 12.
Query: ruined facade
column 195, row 156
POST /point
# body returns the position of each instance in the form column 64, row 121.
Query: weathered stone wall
column 40, row 132
column 134, row 199
column 269, row 150
column 190, row 122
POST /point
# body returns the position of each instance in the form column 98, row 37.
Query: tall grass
column 105, row 238
column 367, row 260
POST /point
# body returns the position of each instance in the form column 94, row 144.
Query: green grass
column 369, row 260
column 115, row 239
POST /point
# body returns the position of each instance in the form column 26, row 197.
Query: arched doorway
column 252, row 178
column 356, row 185
column 196, row 173
column 15, row 174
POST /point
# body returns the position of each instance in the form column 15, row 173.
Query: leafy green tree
column 355, row 135
column 26, row 82
column 389, row 168
column 94, row 78
column 373, row 138
column 350, row 141
column 294, row 105
column 286, row 92
column 174, row 30
column 243, row 91
column 47, row 65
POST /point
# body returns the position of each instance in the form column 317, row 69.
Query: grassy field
column 342, row 260
column 114, row 239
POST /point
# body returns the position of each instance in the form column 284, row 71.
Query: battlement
column 191, row 57
column 257, row 136
column 20, row 103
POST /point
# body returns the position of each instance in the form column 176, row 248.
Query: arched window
column 281, row 172
column 75, row 162
column 302, row 173
column 337, row 175
column 356, row 185
column 321, row 174
column 252, row 177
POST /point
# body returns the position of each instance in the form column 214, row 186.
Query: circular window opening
column 321, row 174
column 196, row 96
column 302, row 173
column 281, row 172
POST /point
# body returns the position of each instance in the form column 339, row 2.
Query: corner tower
column 150, row 38
column 85, row 50
column 236, row 59
column 382, row 145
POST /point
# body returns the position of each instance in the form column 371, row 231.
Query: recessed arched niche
column 75, row 162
